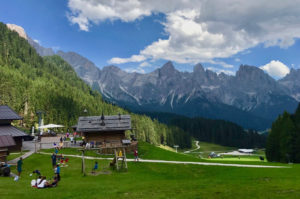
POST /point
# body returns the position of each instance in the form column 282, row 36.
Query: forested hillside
column 214, row 131
column 283, row 144
column 29, row 83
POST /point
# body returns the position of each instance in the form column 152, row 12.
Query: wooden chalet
column 106, row 131
column 7, row 115
column 6, row 141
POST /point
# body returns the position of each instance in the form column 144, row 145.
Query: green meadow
column 155, row 180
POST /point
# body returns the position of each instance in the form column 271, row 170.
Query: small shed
column 104, row 131
column 6, row 141
column 7, row 115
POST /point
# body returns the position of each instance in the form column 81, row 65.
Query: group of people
column 41, row 182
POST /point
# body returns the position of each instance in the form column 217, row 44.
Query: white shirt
column 42, row 184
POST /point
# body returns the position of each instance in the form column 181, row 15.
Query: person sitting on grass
column 37, row 172
column 53, row 183
column 95, row 167
column 34, row 182
column 42, row 182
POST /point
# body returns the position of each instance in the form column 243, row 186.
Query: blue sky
column 140, row 35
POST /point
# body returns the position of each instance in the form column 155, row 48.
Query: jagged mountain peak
column 294, row 74
column 248, row 68
column 252, row 73
column 111, row 68
column 198, row 68
column 251, row 93
column 168, row 68
column 20, row 30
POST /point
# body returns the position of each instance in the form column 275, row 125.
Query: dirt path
column 26, row 155
column 178, row 162
column 197, row 145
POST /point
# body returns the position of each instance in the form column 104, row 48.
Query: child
column 136, row 155
column 19, row 166
column 95, row 167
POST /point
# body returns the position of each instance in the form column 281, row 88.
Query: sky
column 141, row 35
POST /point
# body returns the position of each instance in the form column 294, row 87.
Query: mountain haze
column 251, row 98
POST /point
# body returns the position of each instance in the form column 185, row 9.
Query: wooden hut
column 6, row 141
column 105, row 131
column 7, row 115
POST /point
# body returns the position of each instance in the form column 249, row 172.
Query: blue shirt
column 58, row 170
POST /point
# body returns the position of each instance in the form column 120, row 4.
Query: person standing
column 53, row 158
column 19, row 166
column 136, row 155
column 95, row 167
column 57, row 172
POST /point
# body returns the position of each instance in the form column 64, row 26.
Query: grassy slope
column 152, row 180
column 146, row 151
column 209, row 147
column 206, row 148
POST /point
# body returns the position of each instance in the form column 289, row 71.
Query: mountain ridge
column 244, row 98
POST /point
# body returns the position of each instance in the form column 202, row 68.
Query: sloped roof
column 12, row 131
column 6, row 113
column 110, row 123
column 6, row 141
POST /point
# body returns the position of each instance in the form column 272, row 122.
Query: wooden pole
column 116, row 156
column 83, row 163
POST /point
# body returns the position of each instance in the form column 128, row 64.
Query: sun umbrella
column 49, row 126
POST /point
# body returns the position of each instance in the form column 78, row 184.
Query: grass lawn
column 244, row 158
column 154, row 180
column 209, row 147
column 12, row 156
column 146, row 151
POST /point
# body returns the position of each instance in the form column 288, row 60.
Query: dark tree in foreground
column 283, row 143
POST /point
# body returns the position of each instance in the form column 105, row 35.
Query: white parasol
column 49, row 126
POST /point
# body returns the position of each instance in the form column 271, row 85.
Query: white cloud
column 276, row 69
column 199, row 30
column 145, row 64
column 37, row 41
column 85, row 11
column 133, row 58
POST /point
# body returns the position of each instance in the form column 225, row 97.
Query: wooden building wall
column 3, row 154
column 18, row 145
column 105, row 138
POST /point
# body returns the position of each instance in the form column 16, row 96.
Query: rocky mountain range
column 251, row 98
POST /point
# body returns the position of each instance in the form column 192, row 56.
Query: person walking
column 19, row 166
